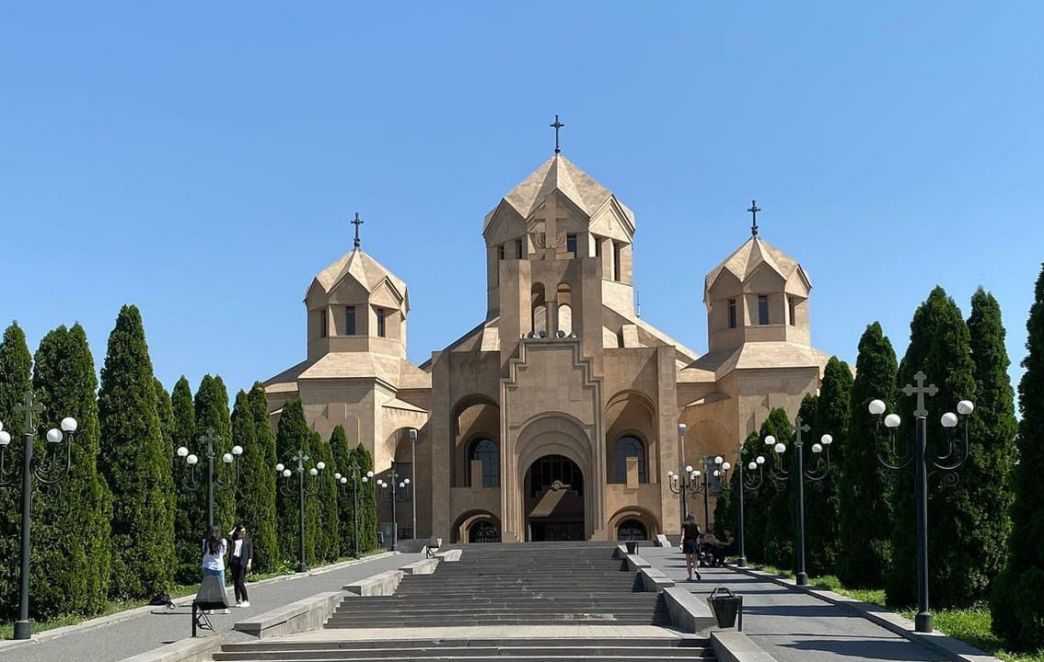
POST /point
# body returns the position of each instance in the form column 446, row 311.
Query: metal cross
column 801, row 427
column 754, row 209
column 920, row 390
column 29, row 407
column 556, row 126
column 357, row 222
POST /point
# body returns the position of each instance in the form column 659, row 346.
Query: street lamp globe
column 237, row 450
column 779, row 448
column 366, row 479
column 949, row 420
column 69, row 424
column 892, row 421
column 670, row 474
column 817, row 448
column 227, row 458
column 726, row 466
column 54, row 435
column 369, row 474
column 965, row 407
column 5, row 438
column 760, row 459
column 279, row 468
column 401, row 485
column 337, row 476
column 696, row 474
column 286, row 473
column 688, row 468
column 182, row 451
column 753, row 465
column 320, row 466
column 826, row 439
column 719, row 460
column 192, row 460
column 407, row 481
column 313, row 471
column 770, row 440
column 877, row 407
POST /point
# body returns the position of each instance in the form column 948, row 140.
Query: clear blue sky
column 197, row 159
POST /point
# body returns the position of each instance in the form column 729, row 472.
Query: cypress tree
column 939, row 347
column 135, row 465
column 262, row 460
column 779, row 497
column 367, row 502
column 190, row 521
column 865, row 511
column 1018, row 612
column 165, row 409
column 244, row 435
column 71, row 553
column 725, row 508
column 212, row 414
column 328, row 542
column 992, row 433
column 754, row 500
column 292, row 435
column 343, row 457
column 822, row 526
column 16, row 364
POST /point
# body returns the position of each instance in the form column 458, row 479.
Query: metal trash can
column 632, row 546
column 726, row 606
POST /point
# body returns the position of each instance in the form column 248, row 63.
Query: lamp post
column 413, row 477
column 48, row 471
column 342, row 481
column 715, row 468
column 747, row 482
column 814, row 474
column 682, row 484
column 313, row 488
column 224, row 483
column 395, row 493
column 923, row 455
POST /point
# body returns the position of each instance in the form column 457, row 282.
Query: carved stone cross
column 553, row 239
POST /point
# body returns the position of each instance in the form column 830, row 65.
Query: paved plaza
column 161, row 626
column 791, row 625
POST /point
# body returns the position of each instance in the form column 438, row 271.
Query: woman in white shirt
column 214, row 549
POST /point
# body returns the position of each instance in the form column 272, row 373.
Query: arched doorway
column 554, row 500
column 482, row 530
column 632, row 529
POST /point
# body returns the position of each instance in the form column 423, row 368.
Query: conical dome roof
column 362, row 268
column 746, row 259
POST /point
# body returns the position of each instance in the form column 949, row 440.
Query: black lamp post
column 395, row 492
column 814, row 474
column 413, row 477
column 355, row 478
column 48, row 471
column 923, row 455
column 313, row 488
column 750, row 481
column 715, row 473
column 223, row 483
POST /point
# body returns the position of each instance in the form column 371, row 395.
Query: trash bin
column 632, row 546
column 726, row 606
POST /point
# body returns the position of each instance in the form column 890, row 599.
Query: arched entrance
column 554, row 500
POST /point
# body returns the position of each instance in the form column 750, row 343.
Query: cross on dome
column 357, row 222
column 754, row 209
column 557, row 125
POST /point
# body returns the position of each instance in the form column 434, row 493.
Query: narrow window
column 323, row 330
column 500, row 252
column 597, row 246
column 349, row 321
column 571, row 244
column 616, row 261
column 792, row 310
column 518, row 249
column 380, row 322
column 629, row 447
column 763, row 309
column 732, row 314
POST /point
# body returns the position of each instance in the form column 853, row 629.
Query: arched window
column 565, row 310
column 632, row 529
column 486, row 452
column 484, row 530
column 539, row 310
column 629, row 447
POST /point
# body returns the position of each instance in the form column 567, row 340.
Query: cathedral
column 559, row 415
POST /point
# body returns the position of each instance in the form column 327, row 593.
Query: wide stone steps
column 473, row 650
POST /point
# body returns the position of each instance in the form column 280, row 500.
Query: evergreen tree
column 865, row 511
column 725, row 507
column 822, row 519
column 16, row 364
column 754, row 501
column 135, row 465
column 328, row 543
column 993, row 431
column 212, row 414
column 263, row 479
column 190, row 521
column 293, row 435
column 1018, row 611
column 778, row 505
column 939, row 347
column 367, row 502
column 165, row 409
column 343, row 457
column 71, row 553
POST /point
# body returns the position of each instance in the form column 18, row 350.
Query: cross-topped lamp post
column 313, row 488
column 48, row 471
column 815, row 474
column 395, row 493
column 223, row 483
column 355, row 478
column 922, row 454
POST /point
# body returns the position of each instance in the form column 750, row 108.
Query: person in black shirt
column 691, row 545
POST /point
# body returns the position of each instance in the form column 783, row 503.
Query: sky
column 203, row 160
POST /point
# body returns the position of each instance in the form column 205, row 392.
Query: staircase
column 514, row 587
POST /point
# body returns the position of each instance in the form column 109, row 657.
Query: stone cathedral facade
column 556, row 416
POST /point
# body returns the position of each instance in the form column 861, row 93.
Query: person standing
column 691, row 545
column 240, row 562
column 214, row 549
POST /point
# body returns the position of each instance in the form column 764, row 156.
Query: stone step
column 553, row 619
column 497, row 656
column 493, row 642
column 472, row 653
